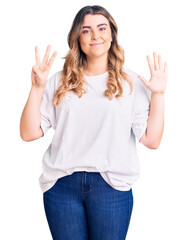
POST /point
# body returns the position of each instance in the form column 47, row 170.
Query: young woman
column 97, row 107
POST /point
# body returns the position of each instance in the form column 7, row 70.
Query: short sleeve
column 141, row 108
column 47, row 109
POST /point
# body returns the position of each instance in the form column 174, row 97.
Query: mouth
column 95, row 44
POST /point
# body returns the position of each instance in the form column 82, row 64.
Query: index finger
column 52, row 59
column 37, row 56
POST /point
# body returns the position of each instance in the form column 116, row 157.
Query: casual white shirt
column 93, row 133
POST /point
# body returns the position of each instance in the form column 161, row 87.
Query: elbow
column 23, row 134
column 153, row 145
column 149, row 143
column 28, row 138
column 24, row 138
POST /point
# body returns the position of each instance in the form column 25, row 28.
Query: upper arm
column 41, row 134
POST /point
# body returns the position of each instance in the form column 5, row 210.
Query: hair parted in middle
column 72, row 75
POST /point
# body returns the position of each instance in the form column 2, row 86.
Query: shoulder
column 129, row 71
column 132, row 74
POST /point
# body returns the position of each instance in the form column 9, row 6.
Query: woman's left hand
column 158, row 80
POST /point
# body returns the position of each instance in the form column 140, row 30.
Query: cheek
column 108, row 37
column 83, row 40
column 83, row 44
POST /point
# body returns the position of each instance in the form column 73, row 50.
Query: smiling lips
column 95, row 44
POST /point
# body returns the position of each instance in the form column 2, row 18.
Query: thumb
column 146, row 83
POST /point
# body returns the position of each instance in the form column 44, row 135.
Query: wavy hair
column 72, row 75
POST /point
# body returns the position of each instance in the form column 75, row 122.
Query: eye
column 85, row 31
column 102, row 29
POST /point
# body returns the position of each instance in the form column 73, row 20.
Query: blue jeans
column 83, row 206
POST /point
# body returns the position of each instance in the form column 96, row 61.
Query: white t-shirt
column 93, row 133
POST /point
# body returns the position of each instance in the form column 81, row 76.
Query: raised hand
column 40, row 71
column 158, row 80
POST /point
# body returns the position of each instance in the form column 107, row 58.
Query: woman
column 97, row 107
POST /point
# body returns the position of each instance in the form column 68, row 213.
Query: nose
column 95, row 35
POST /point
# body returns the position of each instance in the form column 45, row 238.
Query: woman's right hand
column 40, row 71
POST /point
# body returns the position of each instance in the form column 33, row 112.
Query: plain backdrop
column 160, row 199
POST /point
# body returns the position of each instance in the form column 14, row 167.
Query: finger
column 160, row 62
column 144, row 80
column 37, row 56
column 52, row 59
column 165, row 67
column 45, row 59
column 155, row 56
column 150, row 64
column 38, row 73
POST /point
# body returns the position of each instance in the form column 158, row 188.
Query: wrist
column 157, row 94
column 37, row 90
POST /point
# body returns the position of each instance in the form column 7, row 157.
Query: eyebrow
column 101, row 24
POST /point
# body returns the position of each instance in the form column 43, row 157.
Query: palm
column 44, row 69
column 158, row 80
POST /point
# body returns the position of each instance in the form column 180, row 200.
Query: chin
column 97, row 53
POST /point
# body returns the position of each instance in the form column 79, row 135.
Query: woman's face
column 95, row 37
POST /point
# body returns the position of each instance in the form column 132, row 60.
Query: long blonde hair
column 72, row 76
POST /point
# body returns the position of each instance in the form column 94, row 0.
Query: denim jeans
column 83, row 206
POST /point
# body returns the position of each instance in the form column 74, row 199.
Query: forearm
column 155, row 124
column 31, row 117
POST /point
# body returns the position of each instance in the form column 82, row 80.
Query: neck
column 96, row 66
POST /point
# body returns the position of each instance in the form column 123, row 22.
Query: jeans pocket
column 51, row 188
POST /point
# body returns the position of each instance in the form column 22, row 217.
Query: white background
column 145, row 26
